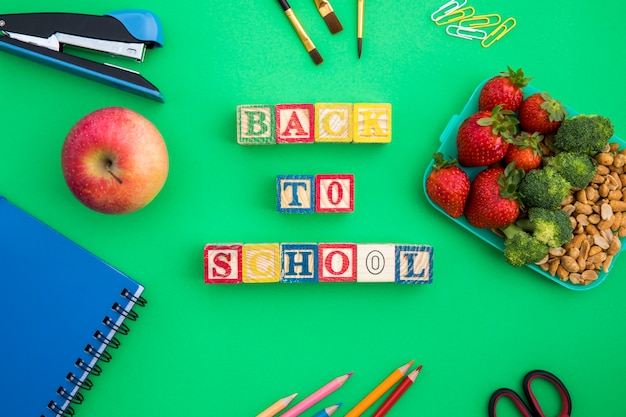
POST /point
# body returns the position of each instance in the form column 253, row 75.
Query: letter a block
column 222, row 264
column 256, row 124
column 334, row 193
column 372, row 123
column 298, row 262
column 333, row 122
column 376, row 262
column 295, row 193
column 294, row 123
column 337, row 262
column 261, row 263
column 414, row 264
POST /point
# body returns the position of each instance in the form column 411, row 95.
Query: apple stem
column 109, row 164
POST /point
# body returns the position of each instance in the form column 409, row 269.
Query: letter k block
column 295, row 193
column 372, row 123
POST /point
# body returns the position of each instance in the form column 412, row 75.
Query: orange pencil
column 277, row 407
column 397, row 393
column 378, row 392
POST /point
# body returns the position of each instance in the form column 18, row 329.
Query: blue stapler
column 128, row 33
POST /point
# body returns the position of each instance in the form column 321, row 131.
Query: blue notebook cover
column 61, row 307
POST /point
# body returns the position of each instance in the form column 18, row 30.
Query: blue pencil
column 328, row 411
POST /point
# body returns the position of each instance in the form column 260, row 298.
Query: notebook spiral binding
column 96, row 352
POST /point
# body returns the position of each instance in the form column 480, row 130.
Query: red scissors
column 533, row 409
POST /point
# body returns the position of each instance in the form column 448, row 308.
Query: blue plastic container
column 448, row 149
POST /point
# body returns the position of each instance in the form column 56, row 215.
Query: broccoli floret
column 521, row 248
column 584, row 133
column 552, row 227
column 544, row 188
column 576, row 167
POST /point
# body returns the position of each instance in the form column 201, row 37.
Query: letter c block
column 222, row 264
column 333, row 122
column 261, row 263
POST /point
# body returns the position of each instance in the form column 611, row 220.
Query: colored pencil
column 277, row 407
column 379, row 391
column 317, row 396
column 359, row 31
column 397, row 393
column 304, row 38
column 328, row 411
column 329, row 16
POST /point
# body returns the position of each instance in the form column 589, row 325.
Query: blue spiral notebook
column 61, row 309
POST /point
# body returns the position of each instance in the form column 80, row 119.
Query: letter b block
column 334, row 193
column 295, row 193
column 256, row 124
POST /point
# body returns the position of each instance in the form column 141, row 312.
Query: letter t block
column 295, row 193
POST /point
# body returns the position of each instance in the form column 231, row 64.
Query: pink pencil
column 317, row 396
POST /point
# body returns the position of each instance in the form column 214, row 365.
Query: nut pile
column 598, row 215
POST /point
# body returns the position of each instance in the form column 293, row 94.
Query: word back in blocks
column 322, row 193
column 317, row 262
column 266, row 124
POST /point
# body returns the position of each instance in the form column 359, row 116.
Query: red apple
column 114, row 160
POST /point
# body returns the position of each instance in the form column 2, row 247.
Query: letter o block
column 337, row 262
column 334, row 193
column 222, row 264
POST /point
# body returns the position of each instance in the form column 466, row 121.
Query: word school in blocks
column 317, row 262
column 322, row 193
column 268, row 124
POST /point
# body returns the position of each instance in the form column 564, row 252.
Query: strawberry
column 448, row 186
column 504, row 89
column 484, row 136
column 541, row 113
column 524, row 151
column 493, row 201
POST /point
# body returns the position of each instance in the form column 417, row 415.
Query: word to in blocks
column 322, row 193
column 265, row 124
column 317, row 262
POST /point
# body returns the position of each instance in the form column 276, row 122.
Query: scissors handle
column 535, row 409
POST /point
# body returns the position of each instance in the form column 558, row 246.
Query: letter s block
column 414, row 264
column 337, row 262
column 372, row 123
column 222, row 264
column 256, row 124
column 334, row 193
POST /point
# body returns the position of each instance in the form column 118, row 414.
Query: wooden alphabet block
column 334, row 193
column 333, row 122
column 372, row 123
column 376, row 262
column 298, row 262
column 295, row 193
column 222, row 264
column 295, row 123
column 337, row 262
column 261, row 263
column 256, row 124
column 414, row 264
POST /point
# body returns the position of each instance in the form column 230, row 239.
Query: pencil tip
column 360, row 46
column 315, row 55
column 349, row 374
column 333, row 23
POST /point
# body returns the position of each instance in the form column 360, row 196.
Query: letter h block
column 334, row 193
column 298, row 262
column 256, row 124
column 295, row 123
column 222, row 264
column 295, row 193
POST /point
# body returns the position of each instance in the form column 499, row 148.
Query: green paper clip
column 446, row 9
column 499, row 32
column 481, row 21
column 465, row 32
column 456, row 15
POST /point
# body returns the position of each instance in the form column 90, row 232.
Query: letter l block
column 414, row 264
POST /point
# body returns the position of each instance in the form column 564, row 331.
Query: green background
column 233, row 350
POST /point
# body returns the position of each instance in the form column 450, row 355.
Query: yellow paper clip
column 481, row 21
column 499, row 32
column 456, row 15
column 446, row 9
column 465, row 32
